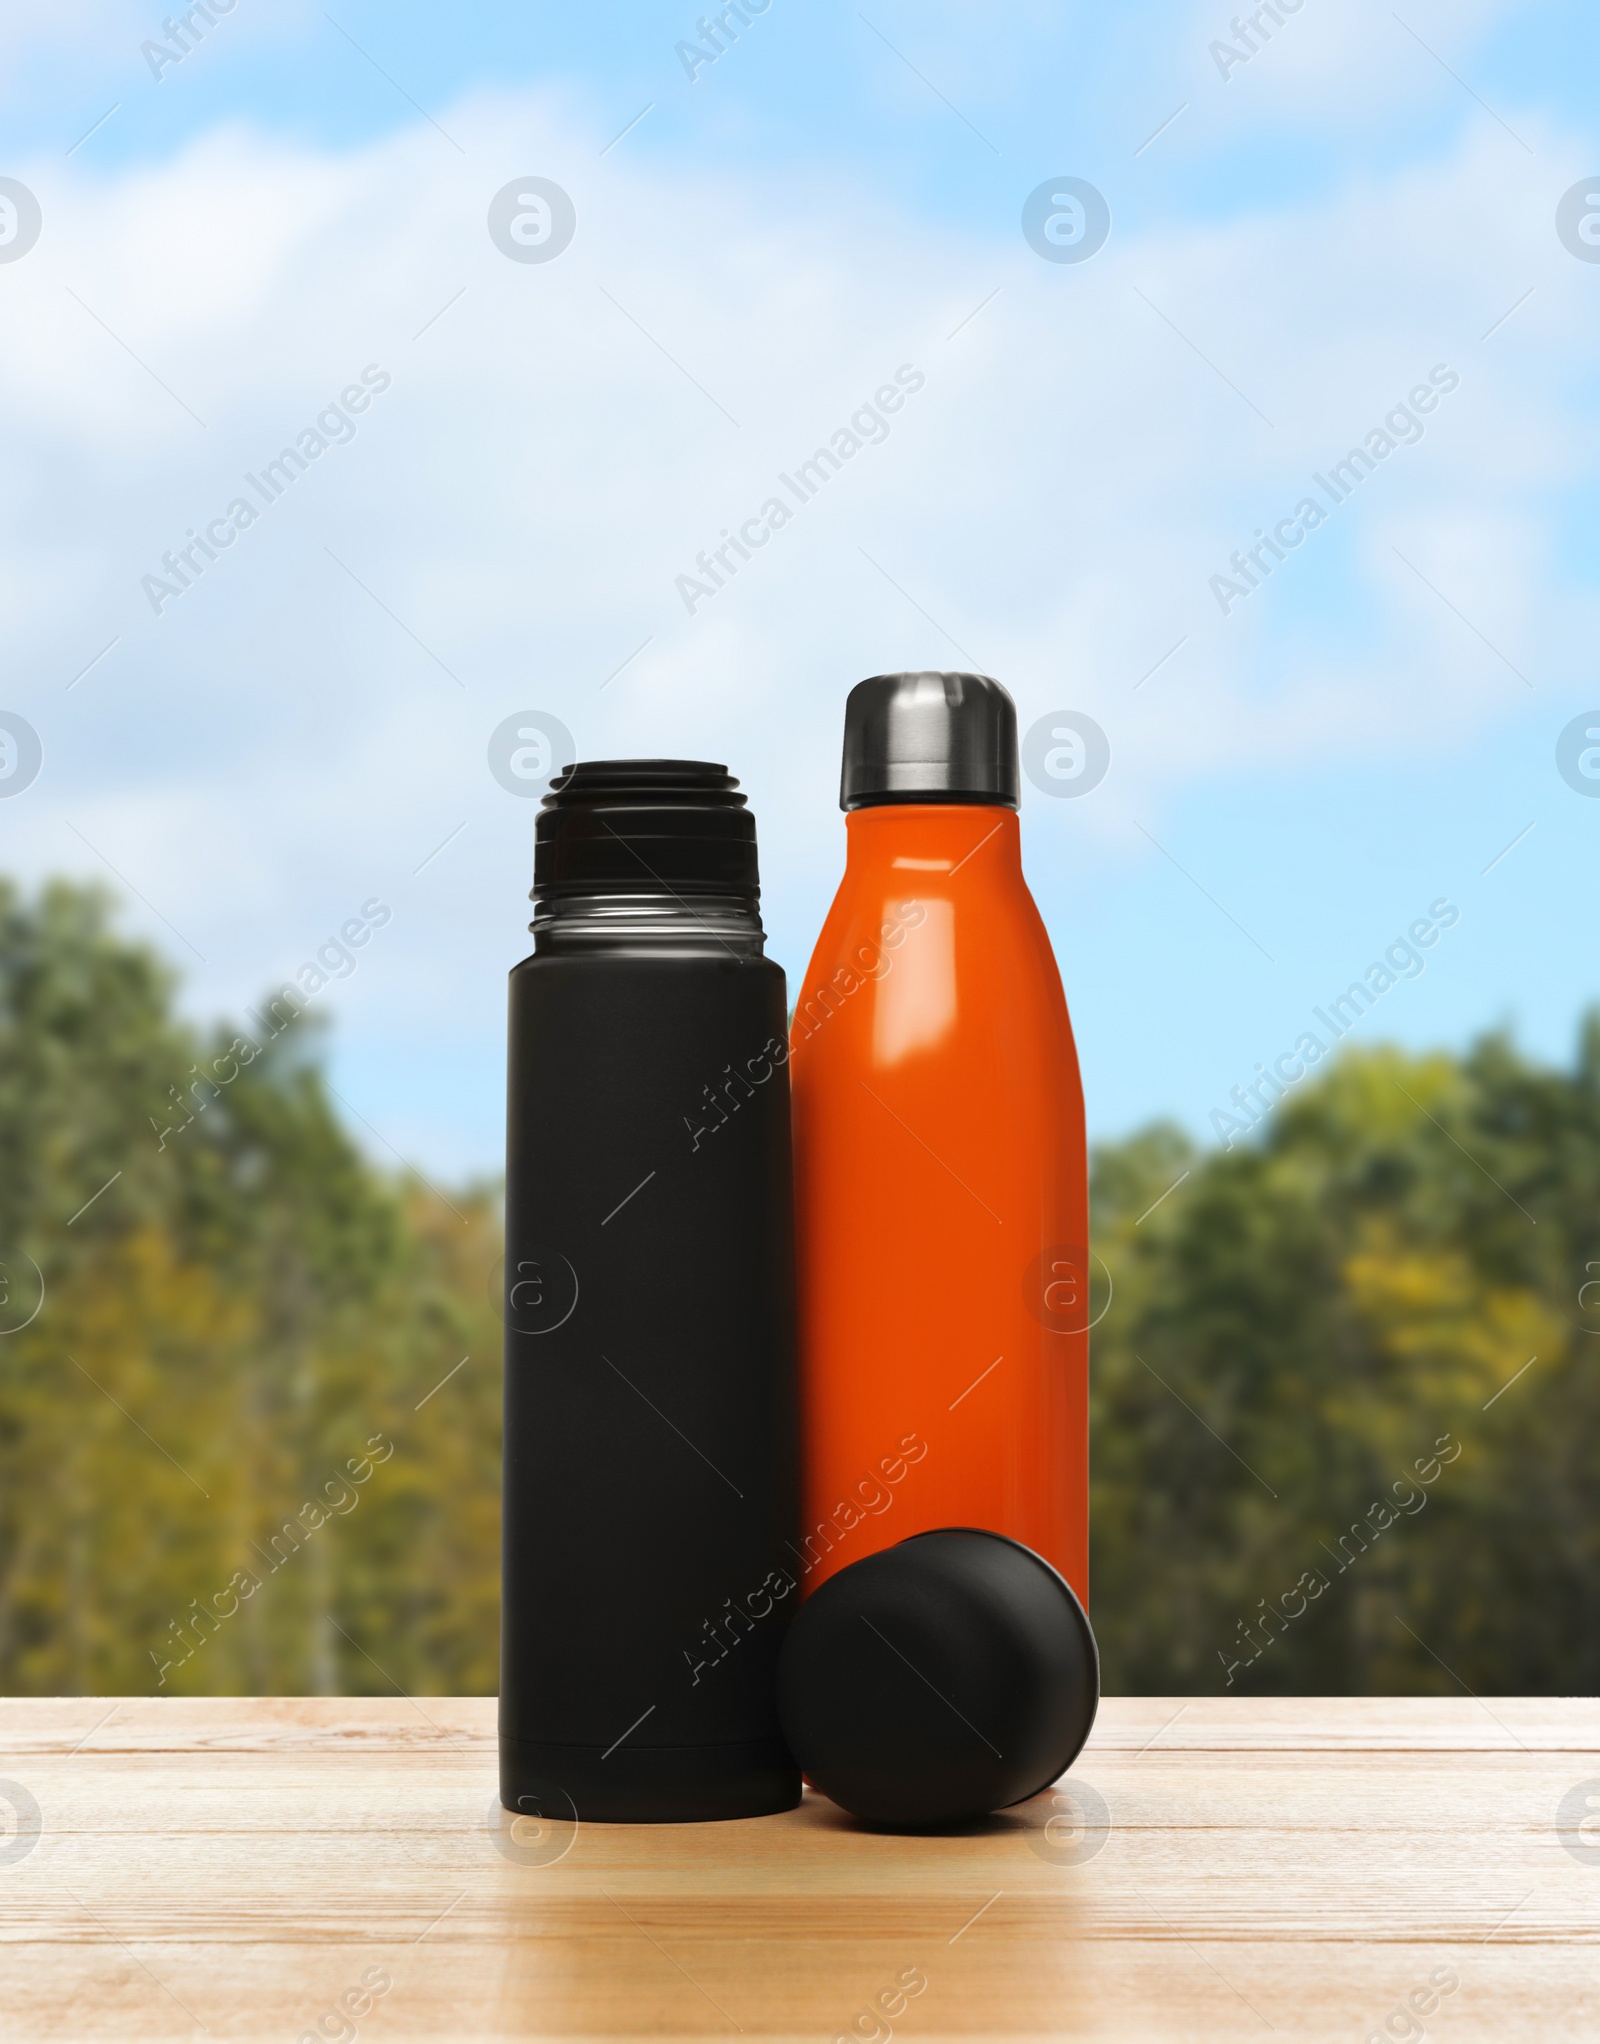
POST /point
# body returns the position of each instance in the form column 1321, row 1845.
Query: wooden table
column 233, row 1868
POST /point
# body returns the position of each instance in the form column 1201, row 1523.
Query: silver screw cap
column 929, row 737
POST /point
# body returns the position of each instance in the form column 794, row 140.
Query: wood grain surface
column 241, row 1868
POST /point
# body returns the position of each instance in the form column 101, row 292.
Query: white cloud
column 276, row 747
column 1330, row 65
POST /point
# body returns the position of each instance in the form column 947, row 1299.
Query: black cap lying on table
column 946, row 1677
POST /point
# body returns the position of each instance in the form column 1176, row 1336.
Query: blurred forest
column 226, row 1328
column 240, row 1450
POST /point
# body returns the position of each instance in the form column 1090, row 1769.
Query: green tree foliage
column 229, row 1461
column 220, row 1466
column 1314, row 1473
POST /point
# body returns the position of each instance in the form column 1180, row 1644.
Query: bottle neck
column 648, row 925
column 936, row 839
column 639, row 857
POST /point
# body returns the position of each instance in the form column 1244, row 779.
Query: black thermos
column 650, row 1485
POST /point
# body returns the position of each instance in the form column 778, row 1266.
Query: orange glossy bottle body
column 941, row 1202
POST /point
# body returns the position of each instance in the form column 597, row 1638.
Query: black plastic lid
column 951, row 1675
column 929, row 737
column 645, row 826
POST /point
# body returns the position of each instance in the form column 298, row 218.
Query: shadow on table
column 1033, row 1815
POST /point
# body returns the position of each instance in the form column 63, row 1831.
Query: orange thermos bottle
column 942, row 1199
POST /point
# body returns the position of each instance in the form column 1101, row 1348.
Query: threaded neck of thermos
column 639, row 852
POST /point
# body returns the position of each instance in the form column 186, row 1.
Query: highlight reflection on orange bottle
column 941, row 1177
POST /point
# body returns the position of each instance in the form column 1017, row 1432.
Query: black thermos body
column 650, row 1472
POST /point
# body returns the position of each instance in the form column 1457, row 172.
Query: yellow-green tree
column 1295, row 1331
column 224, row 1465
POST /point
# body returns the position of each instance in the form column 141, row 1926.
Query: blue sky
column 1293, row 248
